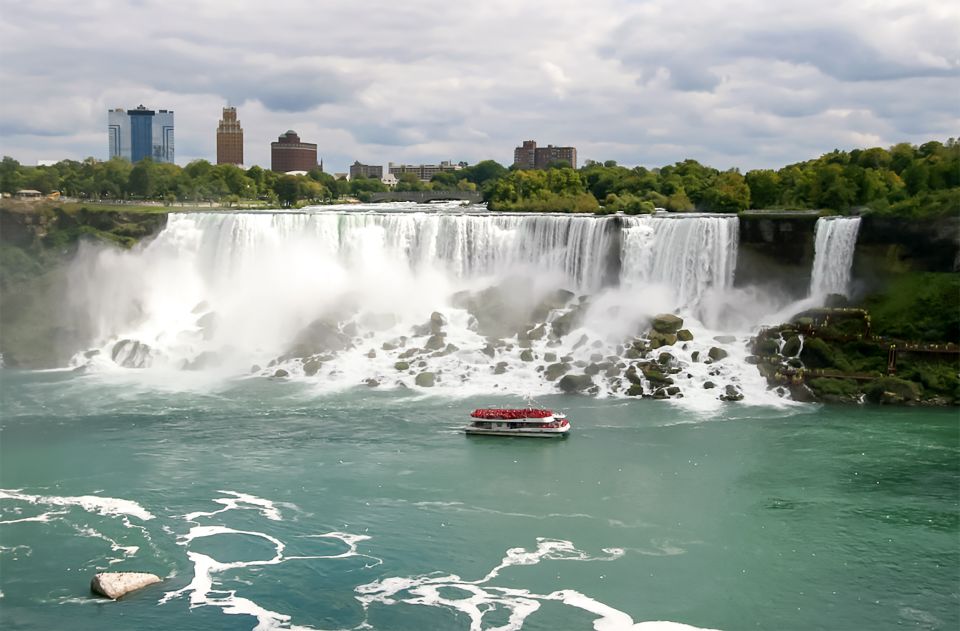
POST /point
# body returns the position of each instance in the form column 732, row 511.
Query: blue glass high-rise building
column 140, row 133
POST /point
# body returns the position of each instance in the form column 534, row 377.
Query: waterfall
column 464, row 245
column 689, row 254
column 836, row 240
column 483, row 302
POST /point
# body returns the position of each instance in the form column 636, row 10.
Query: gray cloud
column 756, row 84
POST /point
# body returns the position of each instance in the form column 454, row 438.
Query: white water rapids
column 220, row 295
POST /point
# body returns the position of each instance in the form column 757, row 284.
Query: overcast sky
column 754, row 83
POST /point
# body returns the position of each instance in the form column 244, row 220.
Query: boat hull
column 531, row 433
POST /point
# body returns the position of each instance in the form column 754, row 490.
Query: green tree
column 142, row 179
column 764, row 188
column 728, row 194
column 11, row 180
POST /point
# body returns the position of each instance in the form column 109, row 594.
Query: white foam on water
column 106, row 506
column 239, row 501
column 126, row 551
column 43, row 517
column 521, row 603
column 205, row 590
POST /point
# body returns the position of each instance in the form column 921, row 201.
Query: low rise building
column 529, row 156
column 423, row 171
column 366, row 170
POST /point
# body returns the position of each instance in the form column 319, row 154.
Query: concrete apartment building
column 288, row 153
column 229, row 138
column 423, row 171
column 366, row 170
column 529, row 156
column 140, row 133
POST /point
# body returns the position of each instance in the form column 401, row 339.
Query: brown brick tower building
column 229, row 138
column 289, row 154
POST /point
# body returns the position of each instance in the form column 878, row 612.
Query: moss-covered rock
column 893, row 390
column 831, row 389
column 635, row 390
column 684, row 335
column 658, row 339
column 425, row 379
column 766, row 347
column 791, row 347
column 667, row 323
column 716, row 353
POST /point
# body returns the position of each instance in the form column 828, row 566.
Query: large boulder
column 893, row 390
column 118, row 584
column 425, row 379
column 716, row 353
column 556, row 300
column 435, row 342
column 791, row 347
column 684, row 335
column 567, row 322
column 575, row 383
column 318, row 337
column 658, row 339
column 656, row 377
column 555, row 371
column 667, row 323
column 436, row 322
column 731, row 393
column 131, row 354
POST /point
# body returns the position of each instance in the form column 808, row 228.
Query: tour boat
column 532, row 422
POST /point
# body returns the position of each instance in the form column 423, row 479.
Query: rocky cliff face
column 36, row 243
column 776, row 249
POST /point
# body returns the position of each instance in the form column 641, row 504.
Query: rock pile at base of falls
column 550, row 340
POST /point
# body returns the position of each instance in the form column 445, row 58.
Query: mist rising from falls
column 345, row 298
column 836, row 240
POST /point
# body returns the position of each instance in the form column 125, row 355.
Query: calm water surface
column 269, row 506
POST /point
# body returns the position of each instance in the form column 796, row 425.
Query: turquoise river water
column 267, row 505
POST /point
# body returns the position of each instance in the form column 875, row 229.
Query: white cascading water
column 691, row 255
column 836, row 241
column 215, row 293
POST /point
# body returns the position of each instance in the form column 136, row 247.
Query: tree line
column 904, row 179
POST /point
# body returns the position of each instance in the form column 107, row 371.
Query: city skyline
column 642, row 83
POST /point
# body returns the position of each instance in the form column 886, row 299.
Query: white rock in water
column 117, row 584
